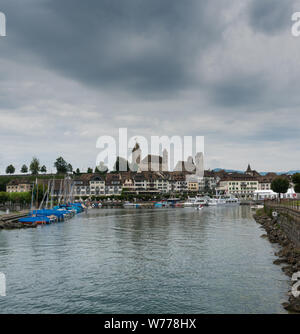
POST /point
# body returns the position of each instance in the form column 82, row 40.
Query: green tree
column 34, row 166
column 121, row 164
column 296, row 181
column 10, row 169
column 24, row 169
column 61, row 165
column 101, row 169
column 296, row 178
column 280, row 186
column 77, row 171
column 89, row 170
column 4, row 197
column 70, row 168
column 44, row 169
column 20, row 197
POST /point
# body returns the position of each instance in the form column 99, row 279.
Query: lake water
column 143, row 261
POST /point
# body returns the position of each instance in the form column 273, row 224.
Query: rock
column 287, row 270
column 293, row 306
column 279, row 261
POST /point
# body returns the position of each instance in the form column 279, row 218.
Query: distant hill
column 228, row 170
column 291, row 172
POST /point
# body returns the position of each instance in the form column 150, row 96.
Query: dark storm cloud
column 270, row 16
column 141, row 46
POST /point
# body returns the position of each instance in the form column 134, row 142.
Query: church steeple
column 249, row 171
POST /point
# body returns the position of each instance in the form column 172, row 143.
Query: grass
column 260, row 212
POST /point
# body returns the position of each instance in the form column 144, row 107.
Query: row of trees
column 34, row 168
column 20, row 198
column 61, row 165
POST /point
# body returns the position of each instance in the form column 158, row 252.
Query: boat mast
column 37, row 194
column 52, row 191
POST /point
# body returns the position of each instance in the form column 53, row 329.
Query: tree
column 296, row 181
column 89, row 170
column 61, row 165
column 10, row 169
column 280, row 186
column 70, row 168
column 101, row 169
column 24, row 169
column 4, row 197
column 121, row 164
column 77, row 171
column 296, row 178
column 34, row 166
column 44, row 169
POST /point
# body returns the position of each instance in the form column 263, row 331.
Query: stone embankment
column 278, row 231
column 10, row 221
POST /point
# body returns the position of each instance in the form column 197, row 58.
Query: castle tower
column 136, row 157
column 199, row 161
column 165, row 161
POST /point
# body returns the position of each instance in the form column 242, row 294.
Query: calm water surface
column 143, row 261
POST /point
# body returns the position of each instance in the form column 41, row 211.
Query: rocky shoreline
column 289, row 254
column 11, row 221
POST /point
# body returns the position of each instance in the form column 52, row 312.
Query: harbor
column 118, row 260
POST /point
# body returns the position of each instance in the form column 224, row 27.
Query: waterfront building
column 178, row 183
column 97, row 185
column 140, row 182
column 19, row 186
column 127, row 182
column 239, row 185
column 208, row 182
column 264, row 185
column 113, row 184
column 193, row 186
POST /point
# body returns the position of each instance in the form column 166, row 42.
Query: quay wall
column 289, row 221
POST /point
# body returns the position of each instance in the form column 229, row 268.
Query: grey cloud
column 75, row 70
column 270, row 16
column 238, row 90
column 140, row 46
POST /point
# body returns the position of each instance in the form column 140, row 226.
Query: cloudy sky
column 73, row 70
